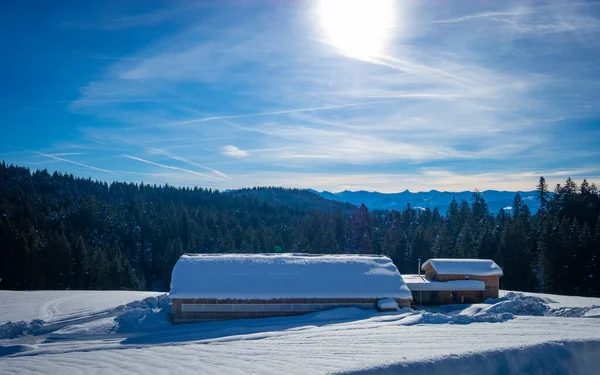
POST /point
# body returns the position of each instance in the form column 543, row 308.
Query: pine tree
column 465, row 247
column 585, row 188
column 486, row 242
column 593, row 267
column 543, row 267
column 59, row 267
column 443, row 246
column 420, row 248
column 365, row 247
column 543, row 194
column 570, row 188
column 517, row 205
column 572, row 259
column 465, row 213
column 479, row 208
column 81, row 264
column 584, row 255
column 361, row 230
column 453, row 219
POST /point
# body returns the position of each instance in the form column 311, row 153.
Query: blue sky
column 328, row 94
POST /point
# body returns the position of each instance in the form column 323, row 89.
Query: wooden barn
column 427, row 292
column 207, row 287
column 448, row 281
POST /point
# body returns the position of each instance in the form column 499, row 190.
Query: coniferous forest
column 62, row 232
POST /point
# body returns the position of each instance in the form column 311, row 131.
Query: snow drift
column 147, row 313
column 387, row 304
column 523, row 304
column 10, row 330
column 553, row 358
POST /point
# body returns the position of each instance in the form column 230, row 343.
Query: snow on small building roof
column 272, row 276
column 475, row 267
column 418, row 283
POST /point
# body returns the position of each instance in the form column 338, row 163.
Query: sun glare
column 359, row 29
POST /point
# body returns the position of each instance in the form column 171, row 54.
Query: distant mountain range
column 430, row 199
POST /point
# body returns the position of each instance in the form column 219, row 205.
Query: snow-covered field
column 89, row 332
column 50, row 305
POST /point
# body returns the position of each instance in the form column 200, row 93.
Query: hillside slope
column 304, row 200
column 429, row 199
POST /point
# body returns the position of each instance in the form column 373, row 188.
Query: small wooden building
column 448, row 281
column 207, row 287
column 427, row 292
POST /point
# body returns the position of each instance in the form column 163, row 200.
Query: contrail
column 190, row 162
column 519, row 11
column 469, row 17
column 76, row 163
column 89, row 139
column 66, row 154
column 205, row 119
column 171, row 167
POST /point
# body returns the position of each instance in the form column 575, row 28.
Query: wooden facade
column 203, row 310
column 444, row 297
column 492, row 283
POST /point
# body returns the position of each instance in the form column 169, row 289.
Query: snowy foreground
column 126, row 332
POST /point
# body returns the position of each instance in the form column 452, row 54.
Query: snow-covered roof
column 418, row 283
column 475, row 267
column 271, row 276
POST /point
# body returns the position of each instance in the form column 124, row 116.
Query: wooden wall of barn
column 443, row 297
column 262, row 308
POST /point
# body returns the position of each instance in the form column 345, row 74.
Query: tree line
column 62, row 232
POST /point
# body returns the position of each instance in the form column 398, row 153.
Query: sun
column 360, row 29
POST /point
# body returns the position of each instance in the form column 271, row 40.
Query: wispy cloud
column 422, row 180
column 305, row 143
column 75, row 163
column 541, row 19
column 466, row 88
column 172, row 167
column 127, row 21
column 234, row 152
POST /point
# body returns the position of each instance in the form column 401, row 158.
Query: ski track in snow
column 351, row 341
column 57, row 305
